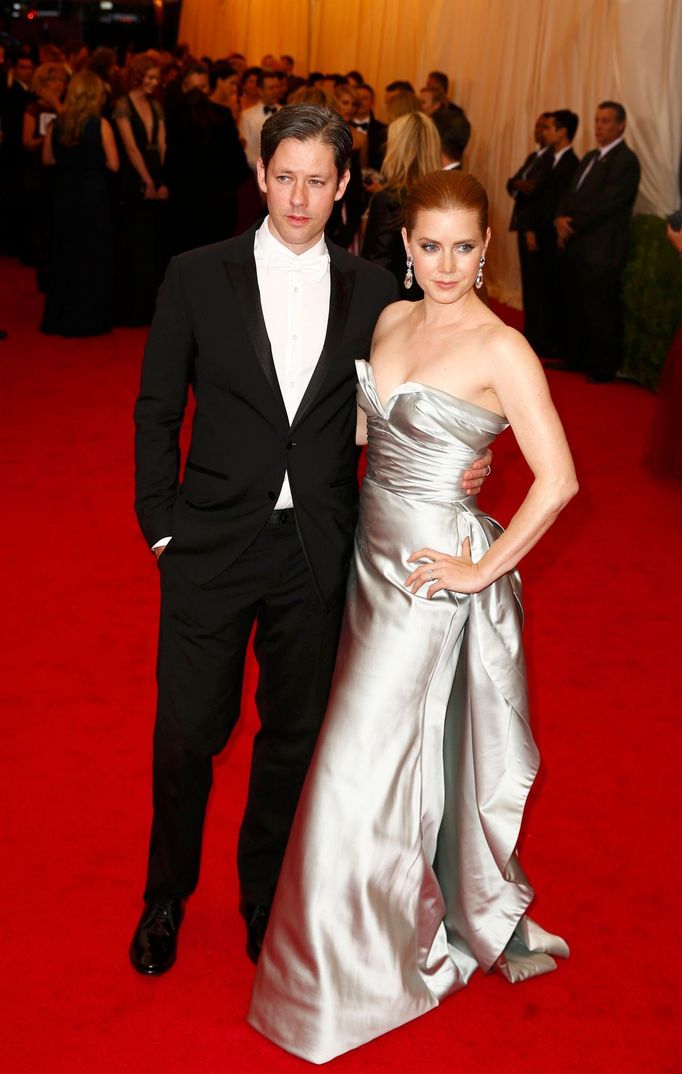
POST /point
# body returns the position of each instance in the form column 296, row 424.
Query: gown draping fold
column 401, row 876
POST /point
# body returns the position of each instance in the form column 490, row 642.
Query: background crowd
column 108, row 168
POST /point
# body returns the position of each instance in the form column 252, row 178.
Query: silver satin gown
column 401, row 876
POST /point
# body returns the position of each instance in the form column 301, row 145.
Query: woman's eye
column 465, row 248
column 429, row 247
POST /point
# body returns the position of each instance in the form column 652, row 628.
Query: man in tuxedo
column 593, row 227
column 252, row 119
column 366, row 121
column 454, row 130
column 541, row 238
column 524, row 187
column 265, row 328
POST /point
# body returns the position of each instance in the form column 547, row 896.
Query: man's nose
column 299, row 193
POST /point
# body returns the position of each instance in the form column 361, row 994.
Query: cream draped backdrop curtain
column 507, row 61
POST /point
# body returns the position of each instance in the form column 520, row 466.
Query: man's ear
column 260, row 173
column 343, row 183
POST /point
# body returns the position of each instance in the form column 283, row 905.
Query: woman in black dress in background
column 81, row 145
column 142, row 248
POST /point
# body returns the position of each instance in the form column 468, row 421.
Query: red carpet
column 601, row 840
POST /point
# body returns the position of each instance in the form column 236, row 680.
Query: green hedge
column 652, row 300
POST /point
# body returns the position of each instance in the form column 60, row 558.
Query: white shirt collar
column 607, row 148
column 454, row 165
column 541, row 151
column 559, row 155
column 266, row 245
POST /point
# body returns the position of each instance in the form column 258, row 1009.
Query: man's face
column 606, row 126
column 389, row 95
column 365, row 103
column 270, row 91
column 540, row 132
column 196, row 81
column 237, row 63
column 553, row 134
column 301, row 186
column 427, row 103
column 24, row 70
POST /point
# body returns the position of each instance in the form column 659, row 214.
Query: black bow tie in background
column 362, row 126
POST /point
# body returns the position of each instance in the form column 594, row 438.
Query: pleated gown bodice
column 401, row 875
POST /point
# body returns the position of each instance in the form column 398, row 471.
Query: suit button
column 272, row 495
column 291, row 444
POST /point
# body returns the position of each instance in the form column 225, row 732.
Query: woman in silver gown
column 401, row 876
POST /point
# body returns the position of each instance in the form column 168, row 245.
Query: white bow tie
column 315, row 267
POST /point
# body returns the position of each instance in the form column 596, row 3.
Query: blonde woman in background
column 80, row 145
column 413, row 149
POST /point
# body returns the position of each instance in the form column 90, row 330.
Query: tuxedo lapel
column 341, row 290
column 244, row 279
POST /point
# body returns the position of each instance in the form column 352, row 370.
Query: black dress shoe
column 256, row 918
column 154, row 944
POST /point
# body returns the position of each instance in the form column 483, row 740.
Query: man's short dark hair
column 564, row 118
column 315, row 76
column 247, row 72
column 305, row 123
column 399, row 84
column 617, row 108
column 366, row 86
column 455, row 131
column 289, row 59
column 220, row 70
column 441, row 79
column 356, row 76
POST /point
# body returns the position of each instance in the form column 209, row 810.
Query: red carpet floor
column 601, row 840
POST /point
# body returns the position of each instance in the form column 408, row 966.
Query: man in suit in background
column 524, row 187
column 265, row 328
column 454, row 130
column 252, row 119
column 366, row 121
column 541, row 237
column 593, row 227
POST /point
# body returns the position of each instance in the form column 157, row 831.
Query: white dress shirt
column 559, row 155
column 294, row 293
column 250, row 125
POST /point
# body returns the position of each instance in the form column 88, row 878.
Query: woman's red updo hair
column 444, row 191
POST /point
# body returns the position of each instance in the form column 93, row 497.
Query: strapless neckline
column 408, row 386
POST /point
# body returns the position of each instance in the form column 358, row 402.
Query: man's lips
column 297, row 219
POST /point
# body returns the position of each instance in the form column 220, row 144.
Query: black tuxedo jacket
column 600, row 210
column 376, row 142
column 209, row 333
column 559, row 179
column 536, row 168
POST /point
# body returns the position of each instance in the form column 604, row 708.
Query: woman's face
column 250, row 87
column 150, row 81
column 56, row 86
column 447, row 247
column 346, row 106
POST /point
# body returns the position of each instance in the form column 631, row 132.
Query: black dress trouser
column 593, row 323
column 203, row 638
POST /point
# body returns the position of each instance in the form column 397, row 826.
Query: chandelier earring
column 479, row 274
column 408, row 275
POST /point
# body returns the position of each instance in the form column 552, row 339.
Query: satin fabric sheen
column 401, row 876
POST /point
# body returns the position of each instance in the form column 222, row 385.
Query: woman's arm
column 361, row 428
column 109, row 145
column 28, row 137
column 47, row 151
column 519, row 383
